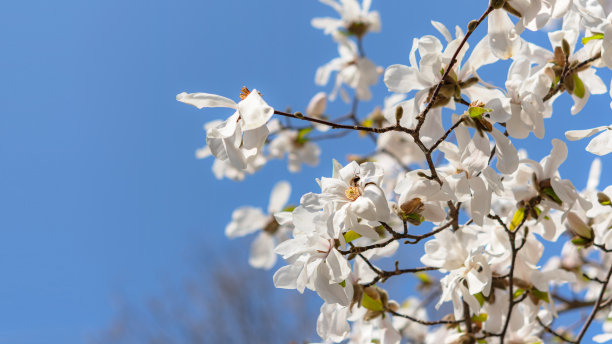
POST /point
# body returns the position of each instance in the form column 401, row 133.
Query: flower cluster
column 508, row 245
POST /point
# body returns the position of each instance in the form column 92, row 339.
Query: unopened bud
column 569, row 84
column 578, row 227
column 393, row 306
column 497, row 4
column 472, row 25
column 399, row 112
column 469, row 82
column 372, row 292
column 467, row 338
column 298, row 115
column 566, row 47
column 603, row 199
column 413, row 206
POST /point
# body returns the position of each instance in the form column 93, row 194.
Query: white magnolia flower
column 504, row 35
column 461, row 254
column 352, row 193
column 298, row 148
column 555, row 192
column 246, row 220
column 466, row 161
column 243, row 134
column 353, row 70
column 522, row 108
column 419, row 196
column 314, row 259
column 425, row 75
column 355, row 19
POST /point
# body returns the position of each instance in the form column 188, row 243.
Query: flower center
column 352, row 193
column 244, row 92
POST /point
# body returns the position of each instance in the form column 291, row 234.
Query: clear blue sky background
column 100, row 192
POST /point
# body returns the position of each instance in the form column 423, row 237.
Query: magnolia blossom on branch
column 509, row 248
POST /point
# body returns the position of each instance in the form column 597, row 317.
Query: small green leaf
column 585, row 40
column 416, row 218
column 579, row 90
column 482, row 341
column 371, row 304
column 540, row 295
column 518, row 217
column 480, row 317
column 550, row 192
column 578, row 241
column 538, row 211
column 343, row 284
column 351, row 235
column 289, row 208
column 480, row 297
column 518, row 293
column 477, row 111
column 367, row 123
column 423, row 277
column 301, row 137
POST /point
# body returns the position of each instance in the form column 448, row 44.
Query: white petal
column 317, row 105
column 481, row 200
column 262, row 252
column 557, row 156
column 602, row 144
column 402, row 79
column 574, row 135
column 339, row 267
column 245, row 220
column 255, row 138
column 332, row 323
column 202, row 100
column 279, row 196
column 443, row 30
column 502, row 38
column 286, row 277
column 254, row 111
column 507, row 156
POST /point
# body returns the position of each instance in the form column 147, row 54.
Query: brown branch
column 421, row 117
column 596, row 307
column 423, row 322
column 344, row 126
column 553, row 332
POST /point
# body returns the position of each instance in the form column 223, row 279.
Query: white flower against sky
column 246, row 220
column 243, row 134
column 356, row 71
column 355, row 19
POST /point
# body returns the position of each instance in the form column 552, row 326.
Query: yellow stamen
column 352, row 193
column 244, row 92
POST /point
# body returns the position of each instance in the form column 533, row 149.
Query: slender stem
column 421, row 117
column 423, row 322
column 596, row 307
column 553, row 332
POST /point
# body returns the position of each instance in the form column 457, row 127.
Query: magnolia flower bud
column 298, row 115
column 399, row 111
column 472, row 25
column 467, row 338
column 578, row 227
column 497, row 4
column 393, row 306
column 603, row 199
column 413, row 206
column 566, row 47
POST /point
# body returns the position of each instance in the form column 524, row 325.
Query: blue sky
column 99, row 189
